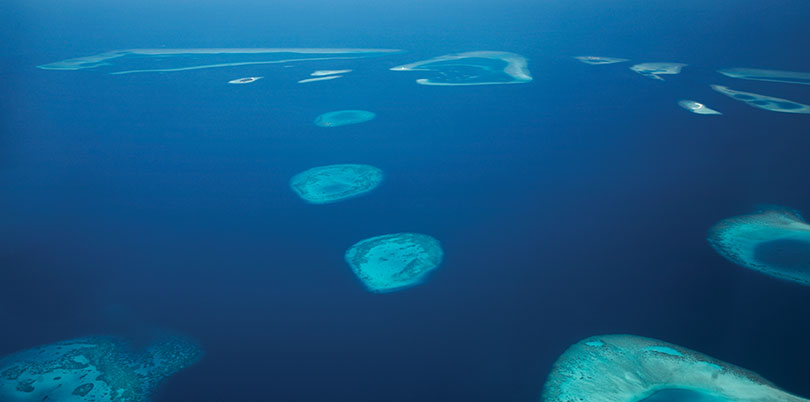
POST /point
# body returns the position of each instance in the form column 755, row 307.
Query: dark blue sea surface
column 573, row 205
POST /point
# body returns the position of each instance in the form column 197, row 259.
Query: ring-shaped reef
column 774, row 241
column 598, row 60
column 393, row 262
column 629, row 368
column 473, row 68
column 339, row 118
column 332, row 183
column 770, row 103
column 129, row 61
column 93, row 369
column 697, row 107
column 655, row 70
column 757, row 74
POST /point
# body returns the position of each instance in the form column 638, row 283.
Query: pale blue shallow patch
column 332, row 183
column 394, row 262
column 339, row 118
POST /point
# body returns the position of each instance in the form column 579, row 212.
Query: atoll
column 597, row 60
column 394, row 262
column 770, row 103
column 655, row 70
column 697, row 107
column 343, row 118
column 332, row 183
column 774, row 241
column 93, row 369
column 629, row 368
column 757, row 74
column 473, row 68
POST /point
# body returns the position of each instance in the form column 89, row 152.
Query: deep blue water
column 574, row 205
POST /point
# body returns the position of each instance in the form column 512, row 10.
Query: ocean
column 573, row 204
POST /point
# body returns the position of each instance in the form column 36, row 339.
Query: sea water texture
column 370, row 201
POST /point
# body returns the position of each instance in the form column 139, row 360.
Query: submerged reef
column 655, row 70
column 342, row 117
column 168, row 60
column 790, row 77
column 473, row 68
column 696, row 107
column 394, row 262
column 332, row 183
column 629, row 368
column 596, row 60
column 774, row 241
column 93, row 369
column 764, row 102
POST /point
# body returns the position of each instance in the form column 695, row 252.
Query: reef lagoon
column 365, row 201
